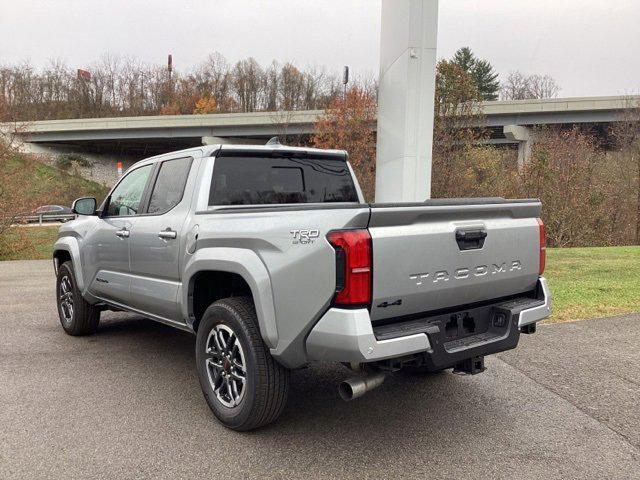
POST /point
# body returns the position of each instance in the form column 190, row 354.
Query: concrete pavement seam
column 625, row 439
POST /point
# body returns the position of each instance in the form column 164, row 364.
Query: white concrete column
column 524, row 137
column 406, row 100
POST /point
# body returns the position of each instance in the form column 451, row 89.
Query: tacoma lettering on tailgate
column 466, row 272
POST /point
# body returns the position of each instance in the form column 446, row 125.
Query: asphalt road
column 126, row 403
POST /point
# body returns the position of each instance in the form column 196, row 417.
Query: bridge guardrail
column 44, row 217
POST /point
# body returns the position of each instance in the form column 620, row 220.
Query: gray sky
column 591, row 47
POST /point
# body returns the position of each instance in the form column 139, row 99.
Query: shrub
column 347, row 125
column 580, row 189
column 67, row 160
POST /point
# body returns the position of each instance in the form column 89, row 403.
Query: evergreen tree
column 486, row 80
column 482, row 72
column 465, row 59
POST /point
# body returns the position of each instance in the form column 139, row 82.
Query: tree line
column 125, row 86
column 117, row 86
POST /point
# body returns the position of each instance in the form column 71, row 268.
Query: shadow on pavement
column 449, row 402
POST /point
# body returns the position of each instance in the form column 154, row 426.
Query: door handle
column 168, row 234
column 471, row 239
column 124, row 233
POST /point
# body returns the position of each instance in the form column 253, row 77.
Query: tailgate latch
column 470, row 239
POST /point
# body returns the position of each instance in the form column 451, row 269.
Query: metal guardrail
column 48, row 217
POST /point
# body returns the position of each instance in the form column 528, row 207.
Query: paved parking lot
column 126, row 403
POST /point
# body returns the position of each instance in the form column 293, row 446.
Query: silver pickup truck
column 271, row 256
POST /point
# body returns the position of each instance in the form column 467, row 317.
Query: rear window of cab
column 268, row 180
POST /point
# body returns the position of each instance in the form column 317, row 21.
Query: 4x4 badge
column 391, row 304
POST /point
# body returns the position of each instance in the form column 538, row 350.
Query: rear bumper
column 348, row 335
column 540, row 312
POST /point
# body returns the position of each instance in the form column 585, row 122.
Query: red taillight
column 543, row 246
column 353, row 267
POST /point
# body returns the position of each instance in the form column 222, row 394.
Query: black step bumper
column 457, row 336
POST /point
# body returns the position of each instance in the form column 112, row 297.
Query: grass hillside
column 50, row 185
column 26, row 183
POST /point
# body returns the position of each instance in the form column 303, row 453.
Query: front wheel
column 242, row 383
column 77, row 316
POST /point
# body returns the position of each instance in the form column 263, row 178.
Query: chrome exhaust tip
column 357, row 386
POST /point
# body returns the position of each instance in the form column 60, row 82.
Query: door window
column 126, row 197
column 169, row 187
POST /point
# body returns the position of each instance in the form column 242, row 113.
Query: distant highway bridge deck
column 135, row 137
column 260, row 125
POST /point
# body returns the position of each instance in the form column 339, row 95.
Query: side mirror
column 84, row 206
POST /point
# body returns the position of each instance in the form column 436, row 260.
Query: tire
column 228, row 338
column 83, row 318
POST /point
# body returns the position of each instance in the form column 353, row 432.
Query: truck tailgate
column 447, row 253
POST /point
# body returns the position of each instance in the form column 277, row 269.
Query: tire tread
column 86, row 316
column 272, row 392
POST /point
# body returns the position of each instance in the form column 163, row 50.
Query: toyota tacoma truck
column 272, row 258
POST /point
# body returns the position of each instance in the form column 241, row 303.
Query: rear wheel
column 77, row 316
column 242, row 383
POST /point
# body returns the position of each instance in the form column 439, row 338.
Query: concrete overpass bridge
column 106, row 140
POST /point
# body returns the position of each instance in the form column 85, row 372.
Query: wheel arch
column 212, row 274
column 66, row 249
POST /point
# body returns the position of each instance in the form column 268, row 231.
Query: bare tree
column 213, row 77
column 125, row 86
column 626, row 133
column 248, row 80
column 271, row 87
column 519, row 86
column 562, row 173
column 291, row 89
column 543, row 86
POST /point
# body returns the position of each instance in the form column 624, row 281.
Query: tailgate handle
column 470, row 239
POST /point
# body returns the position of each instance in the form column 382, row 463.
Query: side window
column 125, row 199
column 169, row 187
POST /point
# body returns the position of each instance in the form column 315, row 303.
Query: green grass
column 593, row 282
column 28, row 243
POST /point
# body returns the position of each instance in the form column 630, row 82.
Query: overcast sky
column 591, row 47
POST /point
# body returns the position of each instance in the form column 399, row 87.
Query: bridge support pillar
column 524, row 137
column 406, row 100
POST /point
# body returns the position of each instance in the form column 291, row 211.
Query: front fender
column 250, row 267
column 70, row 245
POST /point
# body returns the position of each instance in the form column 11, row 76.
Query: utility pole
column 83, row 77
column 345, row 80
column 142, row 92
column 169, row 90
